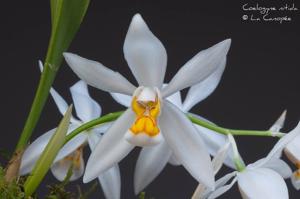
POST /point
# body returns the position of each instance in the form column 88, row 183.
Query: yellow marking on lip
column 74, row 157
column 146, row 117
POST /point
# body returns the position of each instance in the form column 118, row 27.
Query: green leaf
column 45, row 161
column 66, row 17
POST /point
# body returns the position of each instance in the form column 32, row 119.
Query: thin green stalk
column 238, row 161
column 113, row 116
column 101, row 120
column 226, row 131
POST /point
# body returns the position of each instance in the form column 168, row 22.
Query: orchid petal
column 174, row 161
column 61, row 168
column 71, row 146
column 203, row 192
column 221, row 190
column 295, row 179
column 275, row 164
column 198, row 68
column 145, row 54
column 262, row 183
column 110, row 181
column 33, row 152
column 99, row 76
column 122, row 99
column 283, row 142
column 86, row 108
column 292, row 150
column 222, row 181
column 220, row 156
column 187, row 145
column 279, row 122
column 214, row 141
column 202, row 90
column 61, row 104
column 175, row 99
column 59, row 101
column 150, row 163
column 111, row 149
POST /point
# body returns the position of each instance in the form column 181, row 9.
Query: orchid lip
column 146, row 104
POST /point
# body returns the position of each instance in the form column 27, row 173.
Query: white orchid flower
column 262, row 179
column 71, row 154
column 150, row 119
column 152, row 160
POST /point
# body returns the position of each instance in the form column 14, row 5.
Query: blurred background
column 260, row 81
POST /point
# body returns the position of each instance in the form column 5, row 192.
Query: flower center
column 74, row 158
column 147, row 112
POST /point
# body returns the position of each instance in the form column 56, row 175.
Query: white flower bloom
column 262, row 179
column 152, row 160
column 150, row 119
column 71, row 153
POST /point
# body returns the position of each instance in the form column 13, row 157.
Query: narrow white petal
column 150, row 164
column 86, row 108
column 222, row 189
column 202, row 192
column 198, row 68
column 33, row 152
column 41, row 65
column 275, row 164
column 174, row 161
column 111, row 149
column 214, row 141
column 262, row 183
column 220, row 156
column 61, row 168
column 122, row 99
column 176, row 100
column 110, row 181
column 222, row 181
column 145, row 54
column 283, row 142
column 295, row 179
column 71, row 146
column 202, row 90
column 99, row 76
column 185, row 142
column 59, row 101
column 199, row 192
column 279, row 122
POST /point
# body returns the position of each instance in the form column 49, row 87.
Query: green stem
column 113, row 116
column 238, row 161
column 226, row 131
column 101, row 120
column 39, row 101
